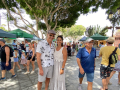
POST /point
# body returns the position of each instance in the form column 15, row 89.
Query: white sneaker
column 19, row 70
column 23, row 68
column 79, row 87
column 26, row 72
column 32, row 72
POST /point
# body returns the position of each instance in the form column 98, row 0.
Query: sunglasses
column 91, row 42
column 52, row 35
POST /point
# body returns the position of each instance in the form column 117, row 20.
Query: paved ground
column 29, row 82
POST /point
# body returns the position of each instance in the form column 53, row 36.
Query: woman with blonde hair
column 31, row 58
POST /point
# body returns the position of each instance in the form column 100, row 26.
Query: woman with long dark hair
column 60, row 57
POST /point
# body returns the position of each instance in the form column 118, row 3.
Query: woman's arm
column 64, row 57
column 15, row 55
column 33, row 50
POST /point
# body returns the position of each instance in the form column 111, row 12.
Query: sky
column 98, row 18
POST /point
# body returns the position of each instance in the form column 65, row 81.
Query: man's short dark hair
column 102, row 43
column 26, row 40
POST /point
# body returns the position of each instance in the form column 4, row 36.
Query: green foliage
column 68, row 9
column 91, row 30
column 75, row 31
column 3, row 27
column 59, row 13
column 103, row 32
column 9, row 3
column 110, row 5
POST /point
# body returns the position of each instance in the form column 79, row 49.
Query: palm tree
column 91, row 30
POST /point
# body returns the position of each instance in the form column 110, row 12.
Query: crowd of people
column 72, row 48
column 51, row 59
column 109, row 65
column 22, row 52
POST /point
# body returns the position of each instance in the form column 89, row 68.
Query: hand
column 7, row 64
column 41, row 72
column 81, row 70
column 30, row 59
column 61, row 71
column 94, row 67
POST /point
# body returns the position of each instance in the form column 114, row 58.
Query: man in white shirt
column 45, row 58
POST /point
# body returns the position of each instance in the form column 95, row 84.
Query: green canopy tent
column 4, row 34
column 34, row 38
column 98, row 37
column 21, row 34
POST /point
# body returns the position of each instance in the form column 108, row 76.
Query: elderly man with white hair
column 86, row 62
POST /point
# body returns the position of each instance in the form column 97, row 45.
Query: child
column 16, row 60
column 23, row 59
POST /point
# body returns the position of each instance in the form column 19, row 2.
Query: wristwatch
column 62, row 68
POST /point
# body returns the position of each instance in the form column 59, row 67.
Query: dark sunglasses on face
column 90, row 42
column 52, row 35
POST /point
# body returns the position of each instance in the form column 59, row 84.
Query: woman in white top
column 60, row 57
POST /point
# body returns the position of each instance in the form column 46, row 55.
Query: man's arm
column 39, row 60
column 100, row 53
column 7, row 51
column 39, row 53
column 39, row 64
column 118, row 57
column 118, row 53
column 80, row 66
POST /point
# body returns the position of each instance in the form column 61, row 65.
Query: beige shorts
column 47, row 73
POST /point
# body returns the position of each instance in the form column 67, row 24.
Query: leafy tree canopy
column 75, row 31
column 55, row 13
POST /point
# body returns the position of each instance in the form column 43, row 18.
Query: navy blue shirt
column 86, row 59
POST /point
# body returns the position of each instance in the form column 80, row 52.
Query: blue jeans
column 20, row 52
column 90, row 76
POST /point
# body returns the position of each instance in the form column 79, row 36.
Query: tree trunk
column 8, row 25
column 48, row 28
column 41, row 34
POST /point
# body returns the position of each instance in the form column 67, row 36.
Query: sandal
column 109, row 83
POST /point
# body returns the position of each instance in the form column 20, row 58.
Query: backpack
column 113, row 58
column 11, row 50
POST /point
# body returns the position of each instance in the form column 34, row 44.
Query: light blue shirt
column 15, row 45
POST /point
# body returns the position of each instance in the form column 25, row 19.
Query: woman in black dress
column 69, row 49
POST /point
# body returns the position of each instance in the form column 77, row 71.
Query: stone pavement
column 29, row 82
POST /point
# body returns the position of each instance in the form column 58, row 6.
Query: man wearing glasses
column 45, row 58
column 86, row 62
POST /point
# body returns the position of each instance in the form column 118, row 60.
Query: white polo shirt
column 47, row 53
